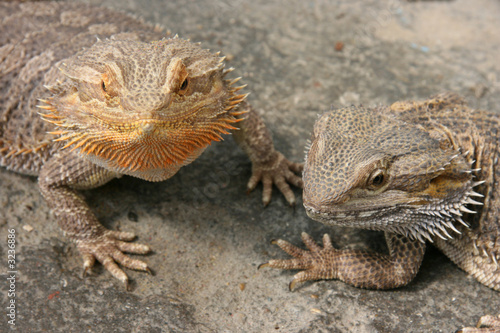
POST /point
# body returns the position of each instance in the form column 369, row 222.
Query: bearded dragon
column 418, row 171
column 88, row 95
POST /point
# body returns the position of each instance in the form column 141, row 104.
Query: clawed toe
column 487, row 324
column 280, row 172
column 88, row 263
column 128, row 262
column 289, row 248
column 111, row 266
column 317, row 263
column 133, row 247
column 109, row 251
column 121, row 235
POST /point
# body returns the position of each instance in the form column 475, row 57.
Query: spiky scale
column 233, row 81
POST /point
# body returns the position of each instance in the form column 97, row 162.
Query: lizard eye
column 108, row 86
column 377, row 179
column 184, row 84
column 183, row 87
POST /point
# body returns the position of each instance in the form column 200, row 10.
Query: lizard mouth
column 416, row 221
column 352, row 209
column 342, row 217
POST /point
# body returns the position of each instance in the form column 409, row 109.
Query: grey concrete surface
column 208, row 235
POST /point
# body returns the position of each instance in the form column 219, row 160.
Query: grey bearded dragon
column 88, row 94
column 419, row 171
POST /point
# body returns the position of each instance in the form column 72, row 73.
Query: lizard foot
column 487, row 324
column 278, row 171
column 108, row 250
column 316, row 263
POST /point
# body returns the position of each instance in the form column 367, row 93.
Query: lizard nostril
column 147, row 128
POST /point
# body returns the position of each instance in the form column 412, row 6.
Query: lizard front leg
column 358, row 268
column 268, row 165
column 59, row 180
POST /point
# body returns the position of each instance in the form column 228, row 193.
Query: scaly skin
column 419, row 171
column 78, row 111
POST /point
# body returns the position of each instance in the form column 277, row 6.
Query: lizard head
column 367, row 169
column 142, row 109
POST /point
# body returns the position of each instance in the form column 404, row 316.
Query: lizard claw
column 150, row 271
column 317, row 263
column 280, row 172
column 88, row 263
column 108, row 250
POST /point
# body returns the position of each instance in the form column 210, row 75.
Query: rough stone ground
column 208, row 235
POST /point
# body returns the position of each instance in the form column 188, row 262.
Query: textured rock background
column 208, row 235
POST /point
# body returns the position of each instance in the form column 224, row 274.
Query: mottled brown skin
column 419, row 171
column 88, row 95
